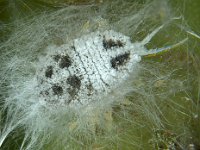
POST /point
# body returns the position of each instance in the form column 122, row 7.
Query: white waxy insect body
column 92, row 65
column 89, row 67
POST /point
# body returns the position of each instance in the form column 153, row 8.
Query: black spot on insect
column 46, row 92
column 120, row 60
column 57, row 90
column 56, row 57
column 72, row 92
column 49, row 72
column 109, row 43
column 74, row 81
column 65, row 62
column 120, row 43
column 90, row 89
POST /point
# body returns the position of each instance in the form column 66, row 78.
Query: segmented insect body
column 92, row 65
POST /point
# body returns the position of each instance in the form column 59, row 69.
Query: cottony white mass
column 77, row 75
column 88, row 68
